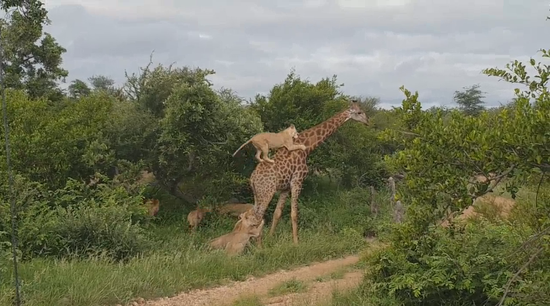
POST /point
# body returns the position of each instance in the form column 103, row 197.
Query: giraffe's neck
column 316, row 135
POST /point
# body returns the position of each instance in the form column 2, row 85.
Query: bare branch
column 191, row 165
column 408, row 133
column 529, row 241
column 214, row 142
column 496, row 180
column 513, row 278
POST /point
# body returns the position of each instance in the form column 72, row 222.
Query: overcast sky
column 373, row 46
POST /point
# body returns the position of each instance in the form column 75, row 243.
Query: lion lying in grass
column 152, row 206
column 235, row 242
column 488, row 206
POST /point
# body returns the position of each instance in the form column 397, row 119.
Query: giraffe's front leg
column 260, row 234
column 295, row 189
column 278, row 210
column 262, row 197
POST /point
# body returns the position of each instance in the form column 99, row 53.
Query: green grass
column 290, row 286
column 330, row 227
column 47, row 282
column 338, row 274
column 251, row 300
column 361, row 296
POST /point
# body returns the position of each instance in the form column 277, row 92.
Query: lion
column 265, row 141
column 236, row 241
column 195, row 217
column 152, row 205
column 487, row 206
column 234, row 209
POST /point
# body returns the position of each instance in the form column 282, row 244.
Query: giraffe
column 288, row 172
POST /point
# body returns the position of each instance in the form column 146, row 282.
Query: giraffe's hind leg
column 295, row 189
column 278, row 210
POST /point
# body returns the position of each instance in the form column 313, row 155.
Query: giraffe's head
column 355, row 113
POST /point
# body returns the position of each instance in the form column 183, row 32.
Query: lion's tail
column 244, row 144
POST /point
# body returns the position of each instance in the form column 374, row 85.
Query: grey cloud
column 432, row 47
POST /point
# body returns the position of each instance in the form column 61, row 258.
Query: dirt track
column 316, row 290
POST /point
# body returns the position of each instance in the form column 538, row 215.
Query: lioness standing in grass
column 263, row 142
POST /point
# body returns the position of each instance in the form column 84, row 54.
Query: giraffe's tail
column 244, row 144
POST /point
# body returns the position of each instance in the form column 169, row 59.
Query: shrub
column 92, row 229
column 450, row 268
column 78, row 220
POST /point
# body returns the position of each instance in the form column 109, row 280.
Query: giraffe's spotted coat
column 290, row 169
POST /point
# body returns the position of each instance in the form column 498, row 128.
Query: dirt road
column 318, row 279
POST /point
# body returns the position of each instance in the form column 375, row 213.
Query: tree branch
column 513, row 278
column 496, row 180
column 191, row 165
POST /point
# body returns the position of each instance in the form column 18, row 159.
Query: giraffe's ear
column 292, row 126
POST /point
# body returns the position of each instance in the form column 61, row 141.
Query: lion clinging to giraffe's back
column 265, row 141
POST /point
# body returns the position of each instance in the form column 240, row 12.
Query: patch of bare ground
column 318, row 292
column 260, row 287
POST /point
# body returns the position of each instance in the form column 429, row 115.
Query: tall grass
column 331, row 225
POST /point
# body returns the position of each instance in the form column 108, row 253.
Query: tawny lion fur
column 235, row 242
column 234, row 209
column 195, row 217
column 263, row 142
column 503, row 207
column 152, row 205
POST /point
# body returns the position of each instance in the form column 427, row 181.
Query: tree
column 477, row 264
column 101, row 82
column 78, row 89
column 31, row 58
column 51, row 145
column 470, row 100
column 107, row 85
column 152, row 87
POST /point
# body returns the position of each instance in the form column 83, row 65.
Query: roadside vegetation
column 85, row 159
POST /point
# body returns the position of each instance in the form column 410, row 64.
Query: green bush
column 78, row 220
column 467, row 267
column 92, row 230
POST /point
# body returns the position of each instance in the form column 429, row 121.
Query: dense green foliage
column 77, row 157
column 79, row 160
column 442, row 153
column 32, row 58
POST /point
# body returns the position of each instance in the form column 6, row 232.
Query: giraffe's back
column 288, row 165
